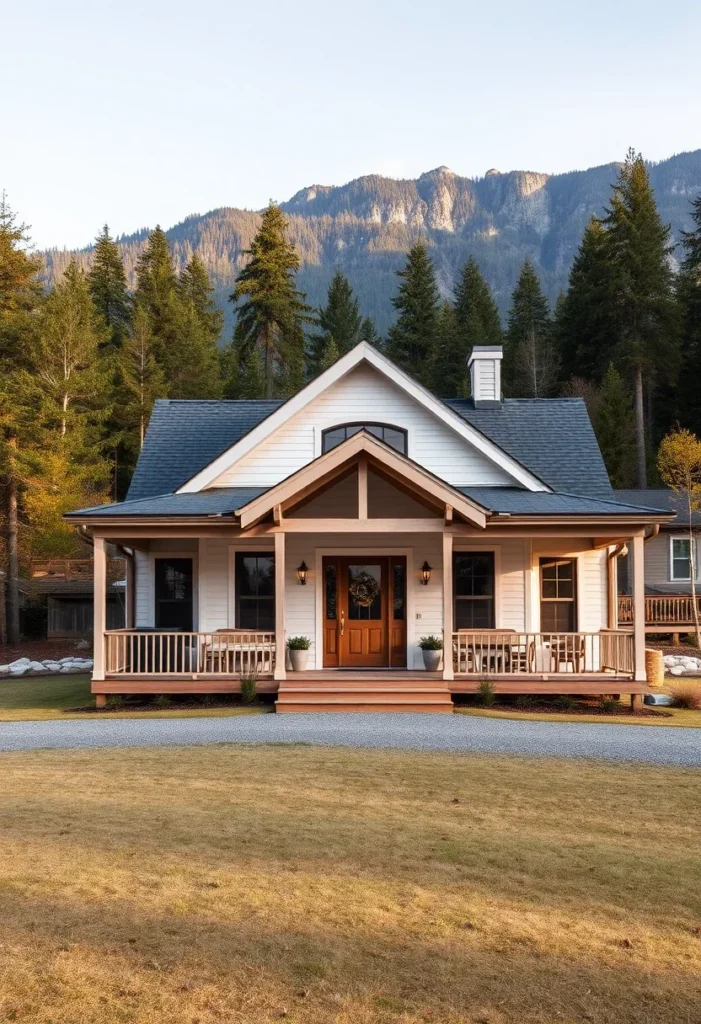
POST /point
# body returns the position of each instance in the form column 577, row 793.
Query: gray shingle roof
column 514, row 501
column 185, row 436
column 553, row 437
column 217, row 501
column 663, row 499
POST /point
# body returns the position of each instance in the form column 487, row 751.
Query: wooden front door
column 364, row 612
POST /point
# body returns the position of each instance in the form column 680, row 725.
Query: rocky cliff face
column 366, row 226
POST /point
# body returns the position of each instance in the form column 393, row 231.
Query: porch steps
column 376, row 694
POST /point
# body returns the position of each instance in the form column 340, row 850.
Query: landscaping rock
column 676, row 670
column 4, row 670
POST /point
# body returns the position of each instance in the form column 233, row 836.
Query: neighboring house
column 64, row 587
column 667, row 564
column 365, row 513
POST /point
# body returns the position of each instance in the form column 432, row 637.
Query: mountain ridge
column 366, row 226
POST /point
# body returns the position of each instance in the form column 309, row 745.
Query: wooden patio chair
column 567, row 650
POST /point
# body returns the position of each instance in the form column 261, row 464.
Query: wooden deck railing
column 497, row 653
column 131, row 652
column 661, row 609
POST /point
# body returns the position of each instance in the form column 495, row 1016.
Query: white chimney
column 485, row 374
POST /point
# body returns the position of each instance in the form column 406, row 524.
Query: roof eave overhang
column 556, row 519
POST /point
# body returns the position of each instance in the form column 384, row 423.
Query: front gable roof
column 327, row 466
column 363, row 353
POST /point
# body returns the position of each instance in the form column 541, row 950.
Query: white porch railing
column 132, row 652
column 497, row 653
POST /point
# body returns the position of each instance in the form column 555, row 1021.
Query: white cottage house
column 364, row 513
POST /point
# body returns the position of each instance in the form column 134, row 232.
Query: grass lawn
column 252, row 884
column 37, row 698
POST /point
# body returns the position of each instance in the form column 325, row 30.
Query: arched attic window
column 395, row 437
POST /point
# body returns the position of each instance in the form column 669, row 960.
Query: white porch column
column 129, row 595
column 447, row 606
column 280, row 648
column 99, row 607
column 639, row 607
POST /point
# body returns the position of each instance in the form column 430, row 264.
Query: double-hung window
column 255, row 590
column 680, row 559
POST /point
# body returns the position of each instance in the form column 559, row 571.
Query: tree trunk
column 12, row 557
column 640, row 428
column 3, row 611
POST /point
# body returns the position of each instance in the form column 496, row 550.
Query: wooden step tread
column 414, row 691
column 294, row 708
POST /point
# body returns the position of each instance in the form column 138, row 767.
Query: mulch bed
column 583, row 706
column 41, row 650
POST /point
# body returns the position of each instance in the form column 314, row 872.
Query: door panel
column 364, row 612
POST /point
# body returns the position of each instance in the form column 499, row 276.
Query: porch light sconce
column 425, row 573
column 302, row 571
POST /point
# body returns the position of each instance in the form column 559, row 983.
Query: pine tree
column 689, row 293
column 614, row 425
column 195, row 287
column 157, row 294
column 339, row 320
column 108, row 287
column 68, row 387
column 271, row 312
column 368, row 332
column 20, row 295
column 448, row 369
column 585, row 318
column 476, row 311
column 252, row 378
column 411, row 339
column 530, row 359
column 140, row 382
column 647, row 316
column 330, row 353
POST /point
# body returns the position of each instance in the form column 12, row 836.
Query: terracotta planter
column 432, row 660
column 298, row 660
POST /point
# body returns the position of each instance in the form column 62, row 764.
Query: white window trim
column 682, row 579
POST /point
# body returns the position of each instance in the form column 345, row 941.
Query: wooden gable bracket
column 448, row 515
column 277, row 514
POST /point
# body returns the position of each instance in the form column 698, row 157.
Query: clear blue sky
column 142, row 112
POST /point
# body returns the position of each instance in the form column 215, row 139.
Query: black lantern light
column 302, row 571
column 425, row 573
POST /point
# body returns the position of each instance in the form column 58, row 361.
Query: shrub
column 609, row 704
column 566, row 703
column 689, row 699
column 486, row 692
column 431, row 643
column 162, row 701
column 249, row 685
column 524, row 702
column 299, row 643
column 115, row 702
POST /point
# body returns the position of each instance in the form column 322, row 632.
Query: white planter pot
column 432, row 660
column 298, row 660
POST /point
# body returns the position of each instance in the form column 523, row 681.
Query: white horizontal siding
column 214, row 584
column 364, row 395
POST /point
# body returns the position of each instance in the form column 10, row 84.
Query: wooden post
column 639, row 607
column 99, row 607
column 448, row 606
column 129, row 594
column 362, row 487
column 636, row 702
column 100, row 700
column 280, row 606
column 612, row 578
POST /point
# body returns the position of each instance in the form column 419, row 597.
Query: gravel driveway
column 655, row 744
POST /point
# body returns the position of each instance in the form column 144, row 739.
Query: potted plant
column 431, row 647
column 298, row 646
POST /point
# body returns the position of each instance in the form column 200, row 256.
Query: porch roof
column 516, row 502
column 218, row 501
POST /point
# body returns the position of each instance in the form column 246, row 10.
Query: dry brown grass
column 234, row 884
